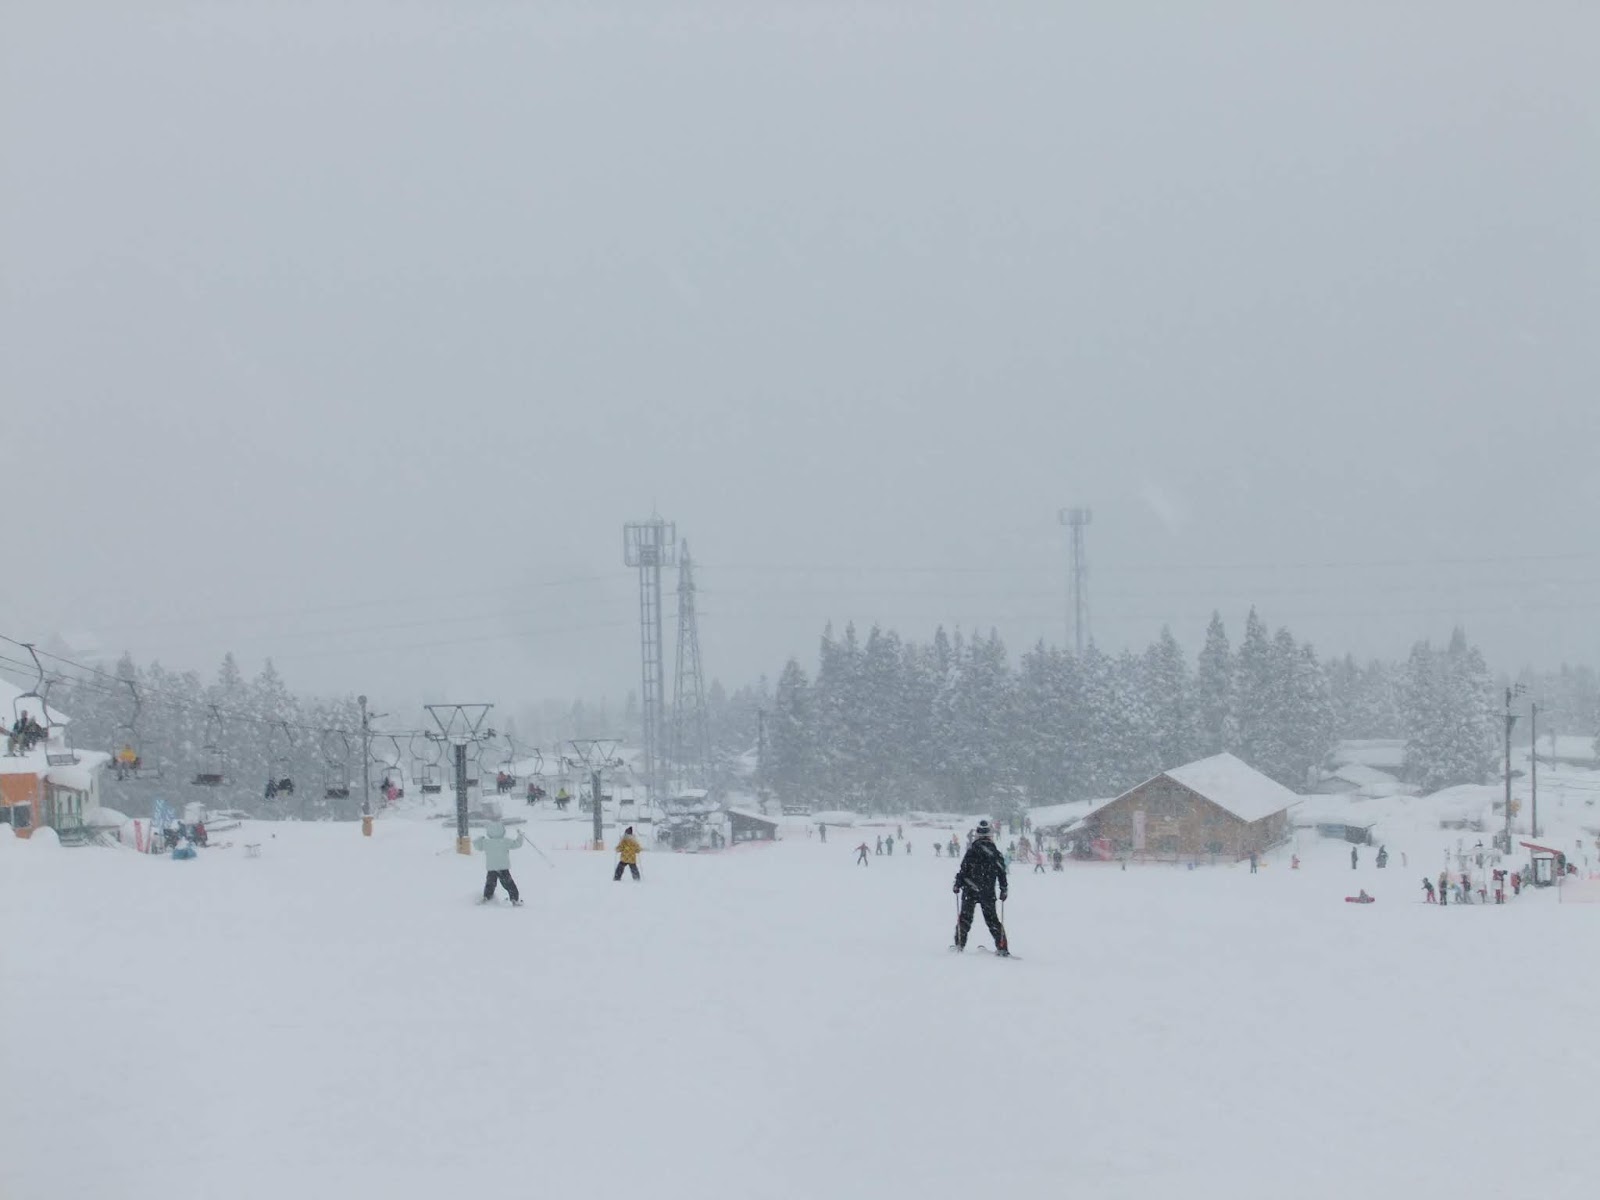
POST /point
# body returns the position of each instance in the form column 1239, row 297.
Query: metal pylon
column 691, row 730
column 649, row 546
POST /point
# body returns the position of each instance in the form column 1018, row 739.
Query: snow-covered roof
column 1323, row 815
column 79, row 778
column 1362, row 776
column 1048, row 816
column 1235, row 785
column 1094, row 807
column 748, row 815
column 1464, row 797
column 1386, row 754
column 34, row 762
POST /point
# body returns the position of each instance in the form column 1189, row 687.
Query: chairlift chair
column 132, row 760
column 280, row 749
column 335, row 765
column 505, row 777
column 52, row 729
column 536, row 790
column 426, row 766
column 212, row 772
column 394, row 775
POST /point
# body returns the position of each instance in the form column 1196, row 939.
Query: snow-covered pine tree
column 1169, row 701
column 1257, row 696
column 792, row 767
column 1215, row 694
column 1425, row 719
column 1471, row 733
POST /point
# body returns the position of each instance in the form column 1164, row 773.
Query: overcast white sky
column 351, row 334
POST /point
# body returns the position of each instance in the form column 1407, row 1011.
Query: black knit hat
column 983, row 829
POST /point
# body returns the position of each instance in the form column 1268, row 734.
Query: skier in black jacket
column 982, row 867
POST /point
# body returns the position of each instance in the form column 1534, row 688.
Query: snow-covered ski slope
column 339, row 1018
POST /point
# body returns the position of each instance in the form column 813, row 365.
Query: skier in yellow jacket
column 627, row 855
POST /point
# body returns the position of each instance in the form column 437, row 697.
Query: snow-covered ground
column 339, row 1018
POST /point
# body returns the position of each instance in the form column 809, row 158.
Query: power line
column 1329, row 564
column 381, row 602
column 92, row 675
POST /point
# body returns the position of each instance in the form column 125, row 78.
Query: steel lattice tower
column 691, row 728
column 1077, row 519
column 649, row 546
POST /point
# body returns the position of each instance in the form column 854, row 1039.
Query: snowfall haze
column 350, row 335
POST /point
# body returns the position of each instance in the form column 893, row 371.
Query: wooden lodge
column 1218, row 807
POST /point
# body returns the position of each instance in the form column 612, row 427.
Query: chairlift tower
column 691, row 727
column 649, row 546
column 1077, row 520
column 461, row 725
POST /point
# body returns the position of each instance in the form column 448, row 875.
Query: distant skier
column 1427, row 891
column 938, row 849
column 879, row 850
column 822, row 833
column 497, row 850
column 982, row 868
column 888, row 845
column 1383, row 857
column 627, row 855
column 1055, row 859
column 1354, row 858
column 1038, row 862
column 1254, row 860
column 861, row 854
column 1444, row 888
column 954, row 847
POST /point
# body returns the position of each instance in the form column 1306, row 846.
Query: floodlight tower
column 1077, row 519
column 649, row 546
column 691, row 730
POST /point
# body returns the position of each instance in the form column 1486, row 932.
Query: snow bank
column 106, row 818
column 44, row 838
column 837, row 817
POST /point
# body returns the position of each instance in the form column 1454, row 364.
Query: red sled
column 1362, row 899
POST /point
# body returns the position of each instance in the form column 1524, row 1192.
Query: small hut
column 751, row 827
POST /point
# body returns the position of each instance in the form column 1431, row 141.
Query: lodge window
column 1213, row 847
column 20, row 816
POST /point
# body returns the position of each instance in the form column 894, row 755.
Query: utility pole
column 366, row 777
column 1077, row 519
column 1510, row 721
column 761, row 756
column 1533, row 768
column 597, row 754
column 460, row 726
